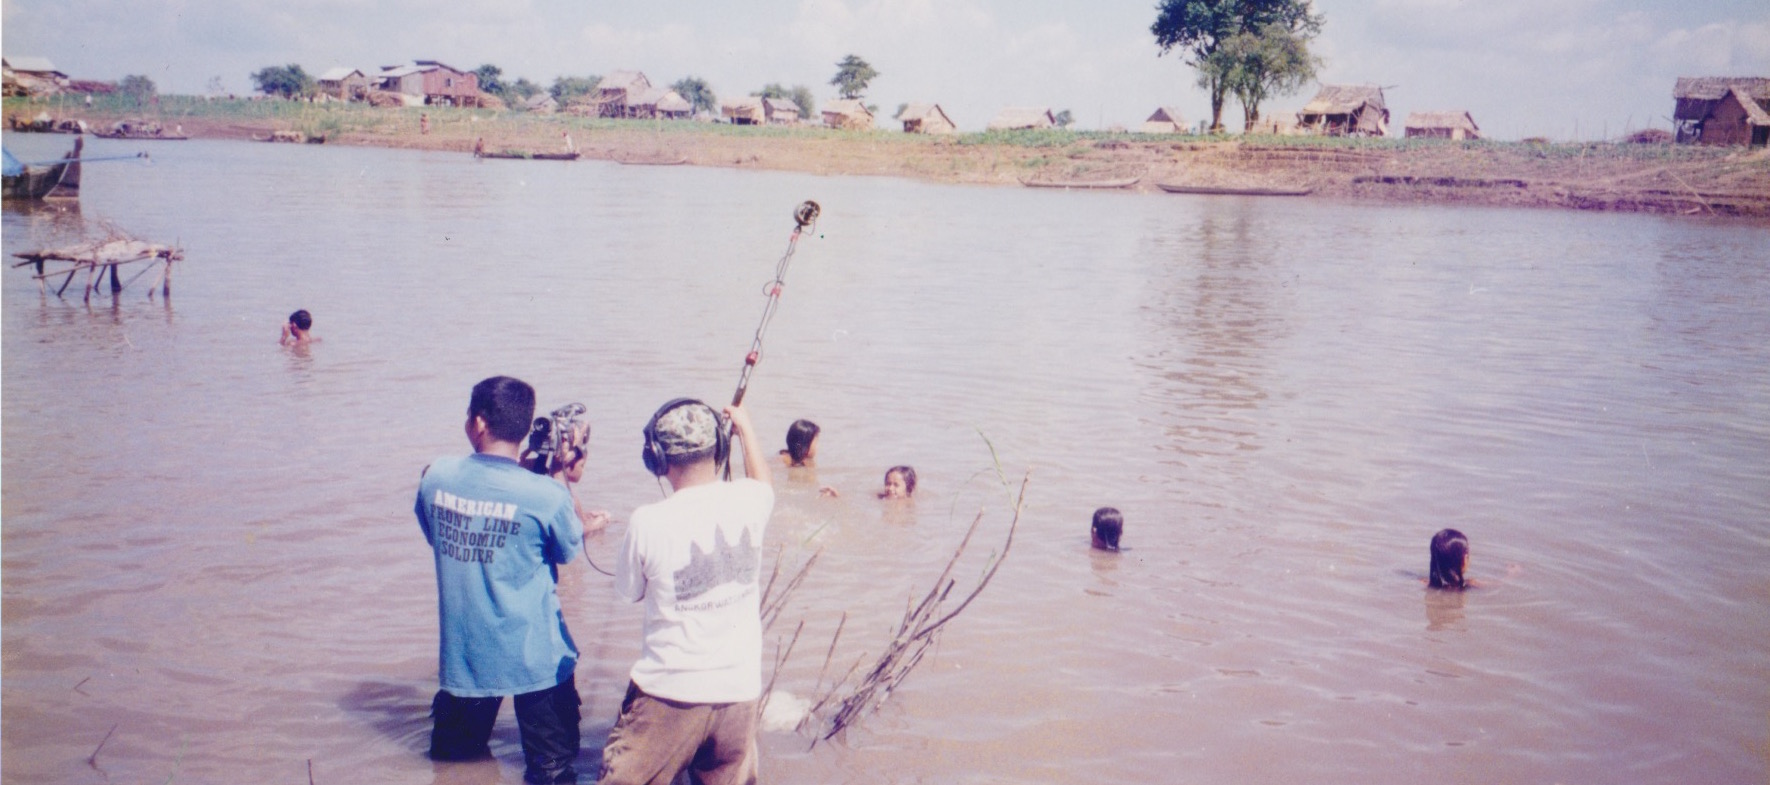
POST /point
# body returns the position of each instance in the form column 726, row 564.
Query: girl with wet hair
column 801, row 443
column 1450, row 557
column 900, row 483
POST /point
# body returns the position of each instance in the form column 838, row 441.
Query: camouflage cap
column 688, row 429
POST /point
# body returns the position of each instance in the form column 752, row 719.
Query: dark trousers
column 547, row 719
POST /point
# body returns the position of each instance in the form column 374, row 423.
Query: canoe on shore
column 1215, row 190
column 677, row 161
column 1124, row 182
column 519, row 155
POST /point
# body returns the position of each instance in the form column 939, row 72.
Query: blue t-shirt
column 499, row 532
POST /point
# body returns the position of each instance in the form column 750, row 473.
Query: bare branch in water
column 92, row 760
column 918, row 631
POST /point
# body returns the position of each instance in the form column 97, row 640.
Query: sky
column 1563, row 69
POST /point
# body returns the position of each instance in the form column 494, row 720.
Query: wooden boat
column 1215, row 190
column 529, row 156
column 291, row 137
column 677, row 161
column 139, row 130
column 58, row 180
column 1125, row 182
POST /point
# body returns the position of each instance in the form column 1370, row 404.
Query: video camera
column 551, row 436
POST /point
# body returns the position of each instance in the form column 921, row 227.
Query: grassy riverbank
column 1597, row 175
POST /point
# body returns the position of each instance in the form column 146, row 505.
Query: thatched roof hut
column 612, row 95
column 1722, row 110
column 1165, row 120
column 1440, row 125
column 541, row 103
column 780, row 111
column 926, row 119
column 1346, row 110
column 654, row 102
column 1017, row 118
column 848, row 114
column 744, row 111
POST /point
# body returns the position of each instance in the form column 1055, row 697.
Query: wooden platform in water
column 98, row 257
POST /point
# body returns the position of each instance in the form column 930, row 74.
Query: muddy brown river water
column 209, row 552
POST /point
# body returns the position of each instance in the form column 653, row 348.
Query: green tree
column 695, row 90
column 1198, row 28
column 288, row 81
column 800, row 95
column 522, row 89
column 490, row 79
column 1064, row 118
column 565, row 88
column 1258, row 65
column 852, row 76
column 137, row 87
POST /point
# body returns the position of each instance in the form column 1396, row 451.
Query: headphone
column 653, row 451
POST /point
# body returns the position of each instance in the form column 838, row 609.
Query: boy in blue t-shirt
column 495, row 527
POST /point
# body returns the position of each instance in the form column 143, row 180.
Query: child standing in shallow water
column 1108, row 525
column 1450, row 557
column 295, row 331
column 900, row 483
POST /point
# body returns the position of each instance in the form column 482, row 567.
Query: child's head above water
column 1108, row 525
column 1450, row 556
column 900, row 483
column 302, row 320
column 801, row 442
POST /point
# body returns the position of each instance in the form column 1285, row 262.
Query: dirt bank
column 1593, row 176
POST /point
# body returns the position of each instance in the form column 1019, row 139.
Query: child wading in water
column 1108, row 525
column 801, row 452
column 1450, row 557
column 296, row 330
column 900, row 483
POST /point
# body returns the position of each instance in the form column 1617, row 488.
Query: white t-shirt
column 694, row 559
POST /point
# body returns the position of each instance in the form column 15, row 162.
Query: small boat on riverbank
column 137, row 129
column 1123, row 182
column 1219, row 190
column 480, row 151
column 52, row 180
column 657, row 161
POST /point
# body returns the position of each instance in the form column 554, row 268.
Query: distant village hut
column 656, row 102
column 1165, row 120
column 541, row 103
column 744, row 111
column 848, row 114
column 1346, row 110
column 1023, row 118
column 429, row 82
column 621, row 94
column 926, row 119
column 344, row 84
column 1440, row 125
column 1722, row 110
column 31, row 76
column 780, row 111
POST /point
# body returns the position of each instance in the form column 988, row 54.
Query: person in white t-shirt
column 694, row 559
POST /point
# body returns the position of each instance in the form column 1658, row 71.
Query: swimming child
column 295, row 331
column 801, row 443
column 900, row 483
column 1108, row 525
column 1450, row 557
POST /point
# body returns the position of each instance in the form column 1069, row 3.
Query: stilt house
column 744, row 111
column 926, row 119
column 1346, row 110
column 1440, row 125
column 780, row 111
column 1722, row 110
column 617, row 92
column 344, row 84
column 429, row 82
